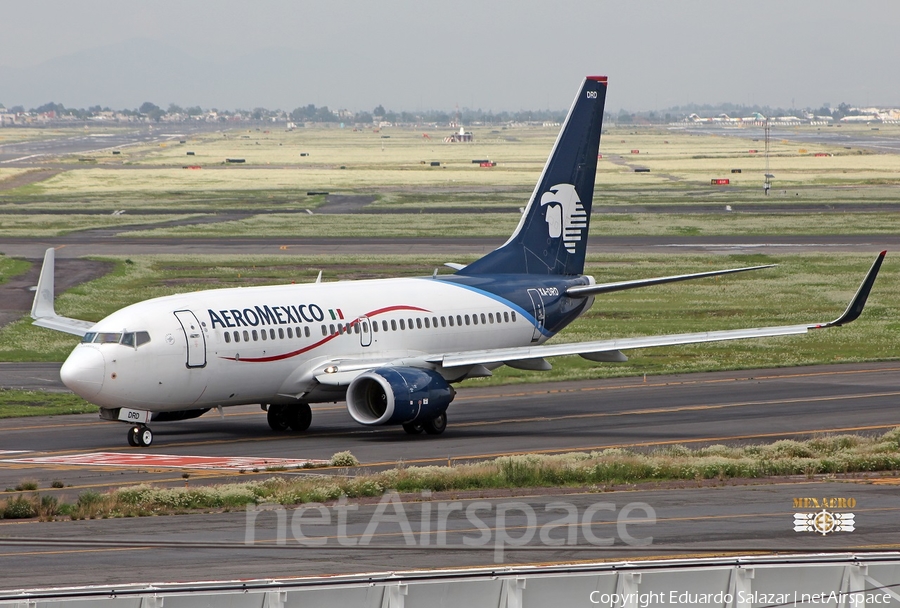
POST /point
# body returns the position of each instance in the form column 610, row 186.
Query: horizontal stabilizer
column 583, row 291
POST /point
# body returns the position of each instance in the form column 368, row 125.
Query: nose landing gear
column 140, row 435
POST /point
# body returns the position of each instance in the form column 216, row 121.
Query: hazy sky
column 489, row 54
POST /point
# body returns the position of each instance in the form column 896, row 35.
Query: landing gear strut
column 296, row 417
column 140, row 435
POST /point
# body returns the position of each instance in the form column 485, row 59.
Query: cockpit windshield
column 133, row 339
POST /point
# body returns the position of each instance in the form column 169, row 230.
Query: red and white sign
column 165, row 461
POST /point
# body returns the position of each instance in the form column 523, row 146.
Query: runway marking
column 14, row 452
column 112, row 459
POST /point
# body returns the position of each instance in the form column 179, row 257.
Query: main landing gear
column 140, row 435
column 435, row 426
column 296, row 417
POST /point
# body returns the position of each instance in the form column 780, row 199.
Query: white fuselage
column 269, row 344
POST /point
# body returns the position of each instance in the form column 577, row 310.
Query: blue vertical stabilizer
column 551, row 237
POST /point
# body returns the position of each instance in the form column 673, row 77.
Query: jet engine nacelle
column 398, row 395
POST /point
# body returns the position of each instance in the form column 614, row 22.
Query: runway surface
column 95, row 139
column 693, row 517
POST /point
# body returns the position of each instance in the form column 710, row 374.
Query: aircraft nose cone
column 83, row 372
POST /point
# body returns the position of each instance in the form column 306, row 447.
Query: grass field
column 807, row 288
column 10, row 267
column 394, row 163
column 46, row 225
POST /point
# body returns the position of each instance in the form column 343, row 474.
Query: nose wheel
column 140, row 435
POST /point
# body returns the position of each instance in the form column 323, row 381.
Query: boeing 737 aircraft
column 391, row 348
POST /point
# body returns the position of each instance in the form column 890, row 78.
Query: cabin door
column 193, row 335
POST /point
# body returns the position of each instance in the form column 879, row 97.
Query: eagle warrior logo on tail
column 565, row 214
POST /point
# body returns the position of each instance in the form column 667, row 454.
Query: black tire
column 413, row 428
column 436, row 425
column 299, row 417
column 133, row 434
column 277, row 416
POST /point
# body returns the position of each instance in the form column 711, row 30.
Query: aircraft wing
column 42, row 309
column 610, row 350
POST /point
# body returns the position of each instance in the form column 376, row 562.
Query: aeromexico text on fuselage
column 272, row 315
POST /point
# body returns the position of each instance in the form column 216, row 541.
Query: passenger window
column 341, row 328
column 375, row 326
column 324, row 331
column 254, row 335
column 272, row 333
column 482, row 319
column 419, row 323
column 306, row 329
column 356, row 328
column 393, row 325
column 444, row 321
column 246, row 336
column 227, row 338
column 459, row 320
column 384, row 325
column 513, row 316
column 281, row 333
column 467, row 319
column 263, row 334
column 402, row 324
column 427, row 323
column 451, row 321
column 128, row 339
column 475, row 319
column 237, row 337
column 491, row 318
column 410, row 323
column 433, row 322
column 331, row 329
column 505, row 317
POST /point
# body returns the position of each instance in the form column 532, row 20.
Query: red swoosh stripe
column 325, row 339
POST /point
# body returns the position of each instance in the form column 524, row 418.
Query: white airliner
column 390, row 347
